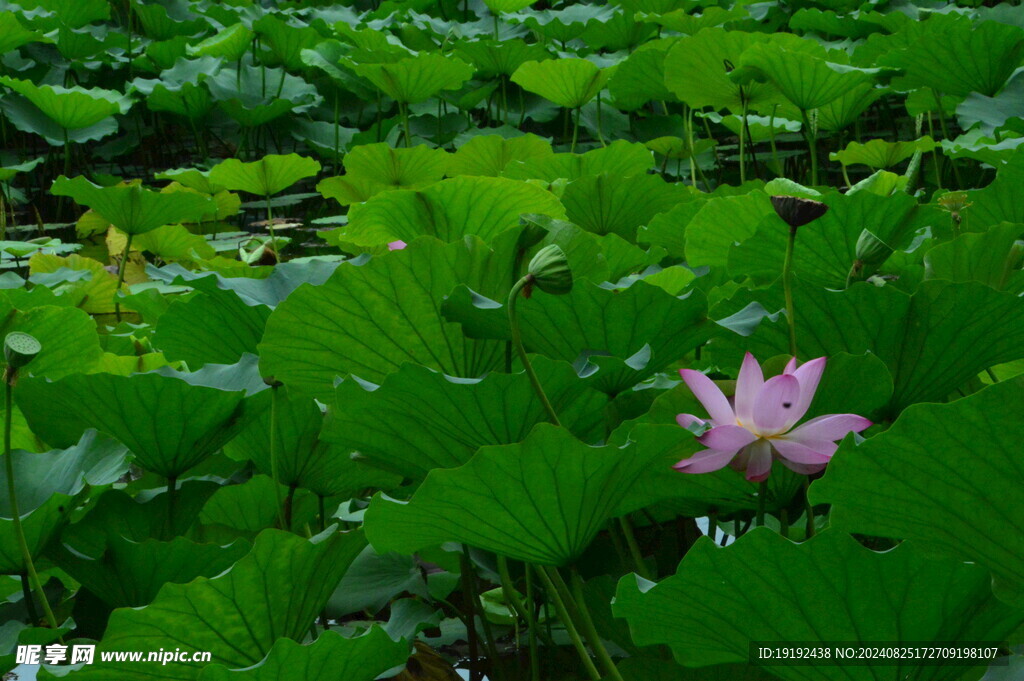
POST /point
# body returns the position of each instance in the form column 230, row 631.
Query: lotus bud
column 20, row 349
column 550, row 271
column 797, row 212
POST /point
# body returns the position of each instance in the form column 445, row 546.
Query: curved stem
column 517, row 341
column 19, row 530
column 787, row 285
column 586, row 623
column 563, row 615
column 575, row 129
column 634, row 548
column 120, row 274
column 812, row 146
column 743, row 152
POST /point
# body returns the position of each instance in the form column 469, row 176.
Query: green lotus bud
column 20, row 349
column 550, row 271
column 871, row 250
column 797, row 212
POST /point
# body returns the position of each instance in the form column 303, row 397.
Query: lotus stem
column 575, row 129
column 787, row 285
column 471, row 633
column 19, row 531
column 270, row 227
column 777, row 169
column 586, row 623
column 517, row 341
column 403, row 110
column 634, row 547
column 812, row 145
column 120, row 274
column 762, row 501
column 810, row 509
column 945, row 136
column 172, row 498
column 563, row 615
column 743, row 126
column 273, row 458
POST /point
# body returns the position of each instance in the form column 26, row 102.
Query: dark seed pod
column 797, row 212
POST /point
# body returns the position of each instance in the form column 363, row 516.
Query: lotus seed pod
column 550, row 271
column 20, row 349
column 797, row 212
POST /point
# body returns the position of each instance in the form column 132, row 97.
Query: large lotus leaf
column 68, row 337
column 765, row 588
column 449, row 210
column 164, row 23
column 685, row 21
column 696, row 71
column 989, row 257
column 415, row 79
column 668, row 229
column 168, row 424
column 453, row 417
column 254, row 95
column 274, row 592
column 129, row 574
column 397, row 168
column 999, row 201
column 133, row 209
column 13, row 35
column 618, row 158
column 827, row 248
column 179, row 89
column 566, row 24
column 303, row 460
column 284, row 41
column 606, row 204
column 541, row 501
column 568, row 82
column 330, row 657
column 266, row 286
column 231, row 43
column 1006, row 108
column 97, row 286
column 214, row 327
column 46, row 485
column 845, row 110
column 807, row 80
column 268, row 176
column 503, row 6
column 879, row 154
column 641, row 77
column 27, row 117
column 490, row 154
column 619, row 32
column 368, row 320
column 71, row 108
column 723, row 221
column 587, row 325
column 933, row 341
column 960, row 57
column 501, row 58
column 947, row 475
column 71, row 13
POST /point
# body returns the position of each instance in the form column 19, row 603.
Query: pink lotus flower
column 396, row 245
column 757, row 427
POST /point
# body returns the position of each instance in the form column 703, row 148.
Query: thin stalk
column 787, row 284
column 322, row 511
column 810, row 509
column 762, row 501
column 532, row 628
column 743, row 155
column 570, row 628
column 26, row 595
column 688, row 130
column 403, row 110
column 812, row 145
column 575, row 129
column 471, row 632
column 634, row 548
column 120, row 274
column 19, row 530
column 270, row 226
column 945, row 135
column 600, row 132
column 935, row 154
column 273, row 458
column 517, row 341
column 586, row 623
column 172, row 499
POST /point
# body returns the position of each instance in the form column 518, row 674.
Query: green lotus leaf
column 1004, row 109
column 618, row 158
column 827, row 249
column 129, row 574
column 70, row 108
column 695, row 71
column 68, row 335
column 254, row 286
column 879, row 154
column 1000, row 200
column 569, row 82
column 133, row 209
column 159, row 24
column 541, row 501
column 565, row 24
column 179, row 89
column 449, row 210
column 13, row 35
column 253, row 95
column 168, row 424
column 490, row 155
column 506, row 6
column 230, row 43
column 27, row 117
column 959, row 57
column 501, row 58
column 621, row 31
column 806, row 80
column 640, row 78
column 9, row 171
column 304, row 459
column 369, row 319
column 271, row 174
column 215, row 327
column 586, row 325
column 416, row 79
column 685, row 21
column 911, row 482
column 845, row 110
column 285, row 41
column 722, row 222
column 70, row 13
column 373, row 168
column 826, row 590
column 455, row 418
column 331, row 656
column 47, row 484
column 839, row 24
column 932, row 342
column 275, row 592
column 606, row 204
column 989, row 257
